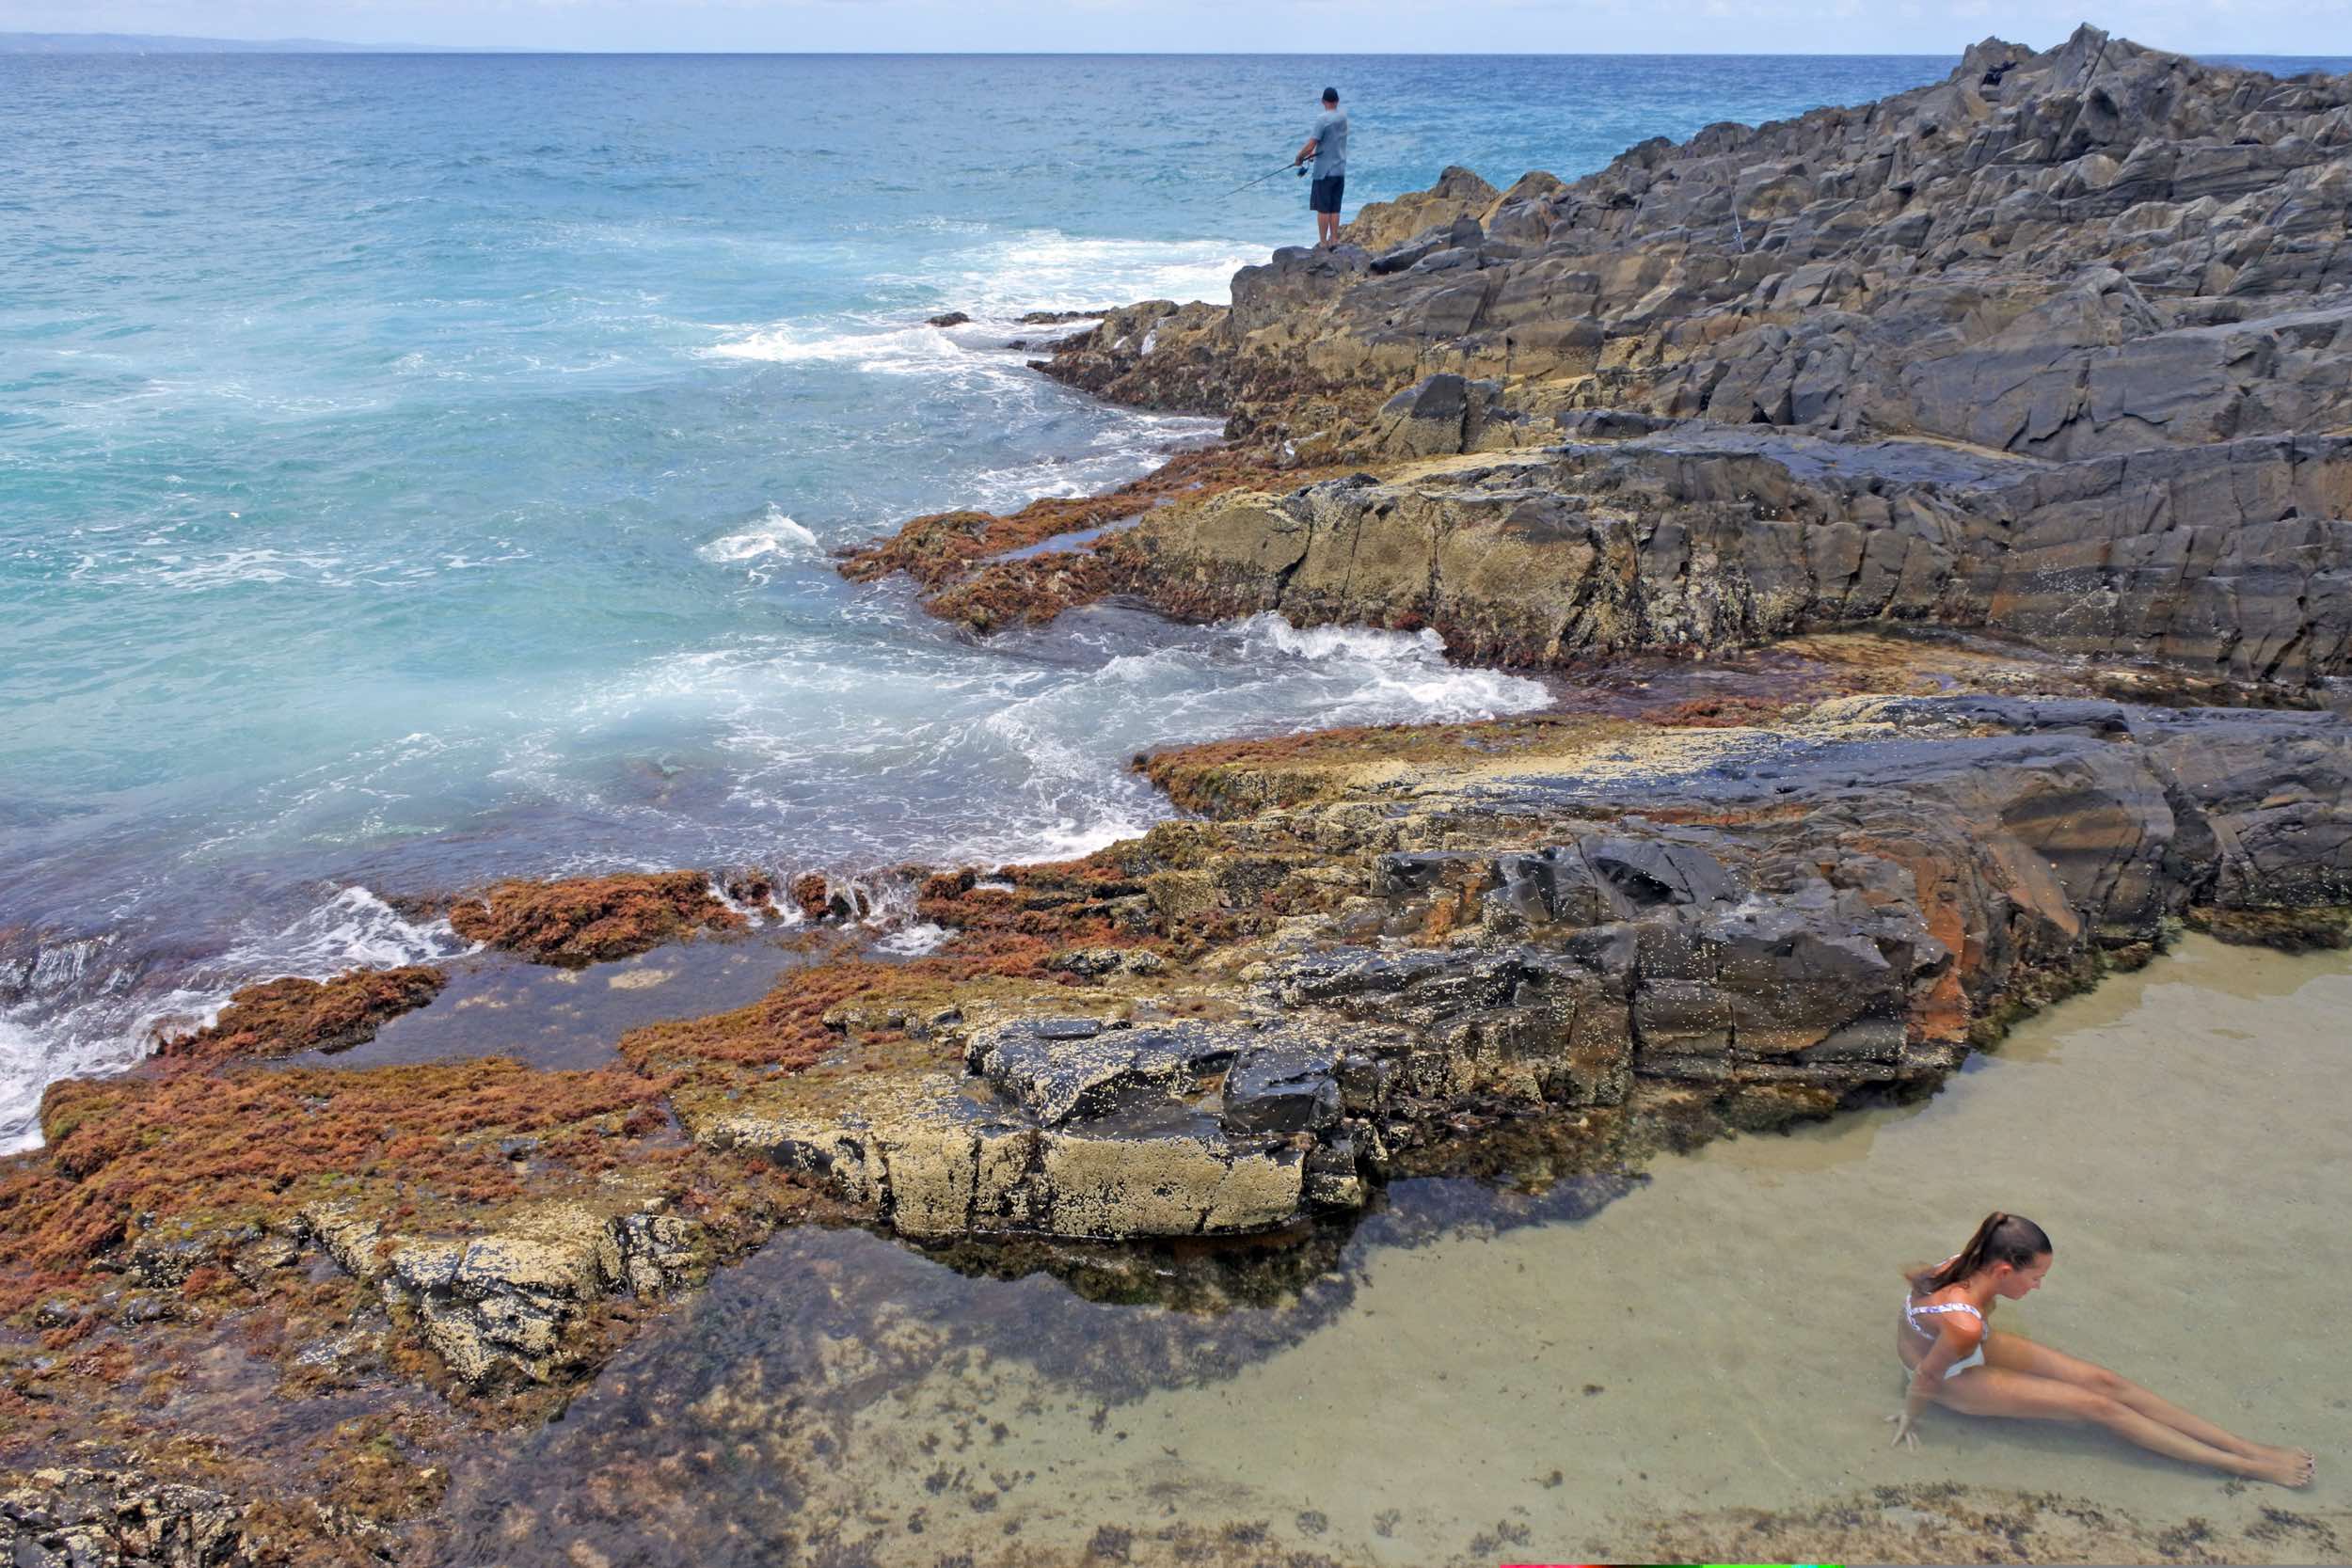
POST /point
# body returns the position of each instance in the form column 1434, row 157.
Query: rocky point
column 1936, row 518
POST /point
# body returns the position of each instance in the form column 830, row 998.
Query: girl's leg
column 2011, row 1354
column 1991, row 1391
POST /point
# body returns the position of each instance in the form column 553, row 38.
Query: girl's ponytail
column 2010, row 1238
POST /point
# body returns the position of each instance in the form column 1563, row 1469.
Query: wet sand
column 1718, row 1339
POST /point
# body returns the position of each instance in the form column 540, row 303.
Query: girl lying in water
column 1954, row 1358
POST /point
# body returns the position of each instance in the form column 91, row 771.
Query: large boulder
column 1459, row 193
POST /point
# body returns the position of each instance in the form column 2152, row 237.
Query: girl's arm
column 1960, row 1335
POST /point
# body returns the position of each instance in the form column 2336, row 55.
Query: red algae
column 1018, row 928
column 585, row 920
column 125, row 1154
column 283, row 1018
column 1033, row 590
column 940, row 547
column 784, row 1028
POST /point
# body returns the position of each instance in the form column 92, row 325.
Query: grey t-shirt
column 1330, row 138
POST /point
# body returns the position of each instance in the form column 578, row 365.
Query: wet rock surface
column 498, row 1303
column 77, row 1518
column 1759, row 924
column 2234, row 557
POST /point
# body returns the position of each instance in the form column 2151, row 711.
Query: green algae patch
column 2300, row 930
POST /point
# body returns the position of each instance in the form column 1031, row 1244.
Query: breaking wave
column 79, row 1005
column 772, row 538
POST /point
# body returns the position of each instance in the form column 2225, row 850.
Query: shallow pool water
column 1476, row 1376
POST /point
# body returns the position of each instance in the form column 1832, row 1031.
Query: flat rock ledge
column 1769, row 922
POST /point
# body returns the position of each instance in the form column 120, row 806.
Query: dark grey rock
column 1288, row 1087
column 1057, row 1075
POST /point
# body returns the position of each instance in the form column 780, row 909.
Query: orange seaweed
column 585, row 920
column 281, row 1017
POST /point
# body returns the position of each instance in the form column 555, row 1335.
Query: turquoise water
column 420, row 468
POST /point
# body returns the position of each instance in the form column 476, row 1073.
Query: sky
column 1236, row 26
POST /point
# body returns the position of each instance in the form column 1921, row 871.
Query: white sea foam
column 787, row 912
column 996, row 282
column 878, row 347
column 772, row 538
column 1046, row 269
column 354, row 929
column 912, row 941
column 25, row 1070
column 1399, row 675
column 234, row 568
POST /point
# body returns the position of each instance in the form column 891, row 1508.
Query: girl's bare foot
column 2282, row 1466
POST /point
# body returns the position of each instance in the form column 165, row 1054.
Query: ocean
column 416, row 470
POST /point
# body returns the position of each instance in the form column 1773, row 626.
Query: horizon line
column 210, row 44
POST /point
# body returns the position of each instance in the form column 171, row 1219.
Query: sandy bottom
column 1718, row 1339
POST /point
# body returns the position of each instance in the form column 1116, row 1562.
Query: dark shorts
column 1324, row 196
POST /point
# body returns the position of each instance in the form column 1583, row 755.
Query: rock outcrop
column 2060, row 345
column 2234, row 558
column 1750, row 924
column 2091, row 250
column 281, row 1017
column 498, row 1303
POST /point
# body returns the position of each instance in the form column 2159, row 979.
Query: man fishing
column 1326, row 144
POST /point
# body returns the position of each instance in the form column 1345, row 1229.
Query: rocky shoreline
column 1944, row 509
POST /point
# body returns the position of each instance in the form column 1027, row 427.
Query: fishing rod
column 1264, row 178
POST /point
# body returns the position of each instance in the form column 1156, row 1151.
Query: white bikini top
column 1912, row 1313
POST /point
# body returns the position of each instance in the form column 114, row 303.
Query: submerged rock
column 67, row 1516
column 500, row 1302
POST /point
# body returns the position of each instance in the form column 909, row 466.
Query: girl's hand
column 1903, row 1434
